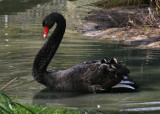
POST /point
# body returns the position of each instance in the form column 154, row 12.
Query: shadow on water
column 47, row 93
column 47, row 96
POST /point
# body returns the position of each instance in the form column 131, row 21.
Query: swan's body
column 93, row 76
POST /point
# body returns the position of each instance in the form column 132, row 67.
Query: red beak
column 46, row 29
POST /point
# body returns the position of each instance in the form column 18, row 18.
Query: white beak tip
column 44, row 36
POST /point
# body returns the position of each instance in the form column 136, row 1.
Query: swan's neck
column 46, row 53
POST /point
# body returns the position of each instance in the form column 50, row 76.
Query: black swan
column 92, row 76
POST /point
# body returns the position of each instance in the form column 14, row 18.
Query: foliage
column 113, row 3
column 8, row 106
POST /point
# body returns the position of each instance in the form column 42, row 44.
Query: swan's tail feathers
column 125, row 85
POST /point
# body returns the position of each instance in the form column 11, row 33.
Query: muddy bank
column 138, row 27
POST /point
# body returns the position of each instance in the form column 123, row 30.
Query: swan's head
column 48, row 23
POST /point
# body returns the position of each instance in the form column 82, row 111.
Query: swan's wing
column 126, row 84
column 123, row 86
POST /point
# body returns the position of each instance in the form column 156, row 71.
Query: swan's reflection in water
column 48, row 96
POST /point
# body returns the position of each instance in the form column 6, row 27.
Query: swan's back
column 93, row 76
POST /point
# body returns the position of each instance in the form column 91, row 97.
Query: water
column 21, row 37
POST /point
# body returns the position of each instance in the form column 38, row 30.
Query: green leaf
column 5, row 97
column 24, row 107
column 10, row 106
column 3, row 109
column 41, row 110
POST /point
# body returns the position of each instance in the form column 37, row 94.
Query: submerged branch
column 8, row 83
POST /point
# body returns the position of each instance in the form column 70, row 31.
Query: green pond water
column 21, row 37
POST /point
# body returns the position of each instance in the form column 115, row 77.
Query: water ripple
column 141, row 109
